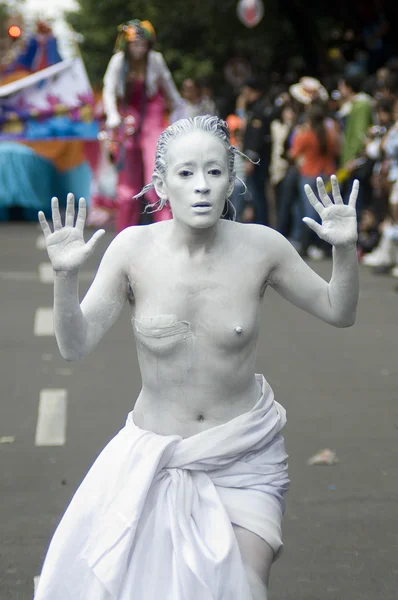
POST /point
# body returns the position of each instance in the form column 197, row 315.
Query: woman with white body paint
column 186, row 501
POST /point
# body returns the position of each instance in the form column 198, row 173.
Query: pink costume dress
column 139, row 153
column 139, row 158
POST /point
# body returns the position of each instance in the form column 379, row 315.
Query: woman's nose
column 201, row 185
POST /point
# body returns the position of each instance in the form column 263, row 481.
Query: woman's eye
column 185, row 173
column 215, row 172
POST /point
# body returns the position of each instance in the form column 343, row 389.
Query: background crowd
column 346, row 125
column 292, row 133
column 292, row 122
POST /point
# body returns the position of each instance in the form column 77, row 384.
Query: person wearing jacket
column 138, row 85
column 257, row 144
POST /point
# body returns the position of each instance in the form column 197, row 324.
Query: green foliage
column 4, row 13
column 196, row 37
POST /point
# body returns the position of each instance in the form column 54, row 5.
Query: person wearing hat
column 138, row 85
column 307, row 90
column 257, row 144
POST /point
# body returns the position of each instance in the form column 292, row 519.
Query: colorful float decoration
column 46, row 121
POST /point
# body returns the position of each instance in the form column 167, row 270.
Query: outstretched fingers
column 354, row 194
column 56, row 214
column 70, row 210
column 44, row 225
column 323, row 195
column 313, row 200
column 81, row 215
column 90, row 245
column 313, row 225
column 336, row 190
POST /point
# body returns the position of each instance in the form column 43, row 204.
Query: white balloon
column 250, row 12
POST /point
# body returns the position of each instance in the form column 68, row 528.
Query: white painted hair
column 209, row 123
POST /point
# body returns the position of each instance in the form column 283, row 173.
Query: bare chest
column 217, row 302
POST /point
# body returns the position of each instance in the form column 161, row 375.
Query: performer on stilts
column 138, row 92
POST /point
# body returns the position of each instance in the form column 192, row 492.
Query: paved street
column 340, row 388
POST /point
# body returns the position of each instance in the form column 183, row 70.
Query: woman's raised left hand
column 339, row 220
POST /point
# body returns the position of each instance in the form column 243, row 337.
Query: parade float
column 46, row 125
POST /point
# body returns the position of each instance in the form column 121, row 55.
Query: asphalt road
column 340, row 388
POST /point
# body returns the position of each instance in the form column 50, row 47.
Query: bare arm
column 334, row 302
column 79, row 327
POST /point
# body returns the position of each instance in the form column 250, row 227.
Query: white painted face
column 197, row 181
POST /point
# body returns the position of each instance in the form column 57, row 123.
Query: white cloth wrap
column 152, row 518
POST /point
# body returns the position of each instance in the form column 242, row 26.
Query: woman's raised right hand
column 66, row 247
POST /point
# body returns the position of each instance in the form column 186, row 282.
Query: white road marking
column 35, row 583
column 46, row 274
column 44, row 322
column 51, row 421
column 41, row 242
column 32, row 276
column 18, row 275
column 64, row 371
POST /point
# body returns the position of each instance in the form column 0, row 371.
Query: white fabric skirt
column 153, row 517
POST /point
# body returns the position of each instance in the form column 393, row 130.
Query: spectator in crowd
column 284, row 177
column 384, row 113
column 356, row 116
column 389, row 86
column 368, row 234
column 315, row 150
column 384, row 258
column 307, row 90
column 257, row 143
column 290, row 211
column 373, row 173
column 206, row 89
column 195, row 103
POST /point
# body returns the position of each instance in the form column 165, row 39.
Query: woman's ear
column 160, row 187
column 231, row 186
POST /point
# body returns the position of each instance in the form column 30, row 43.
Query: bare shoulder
column 261, row 239
column 122, row 246
column 267, row 250
column 130, row 235
column 134, row 242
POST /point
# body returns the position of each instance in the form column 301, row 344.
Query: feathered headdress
column 134, row 30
